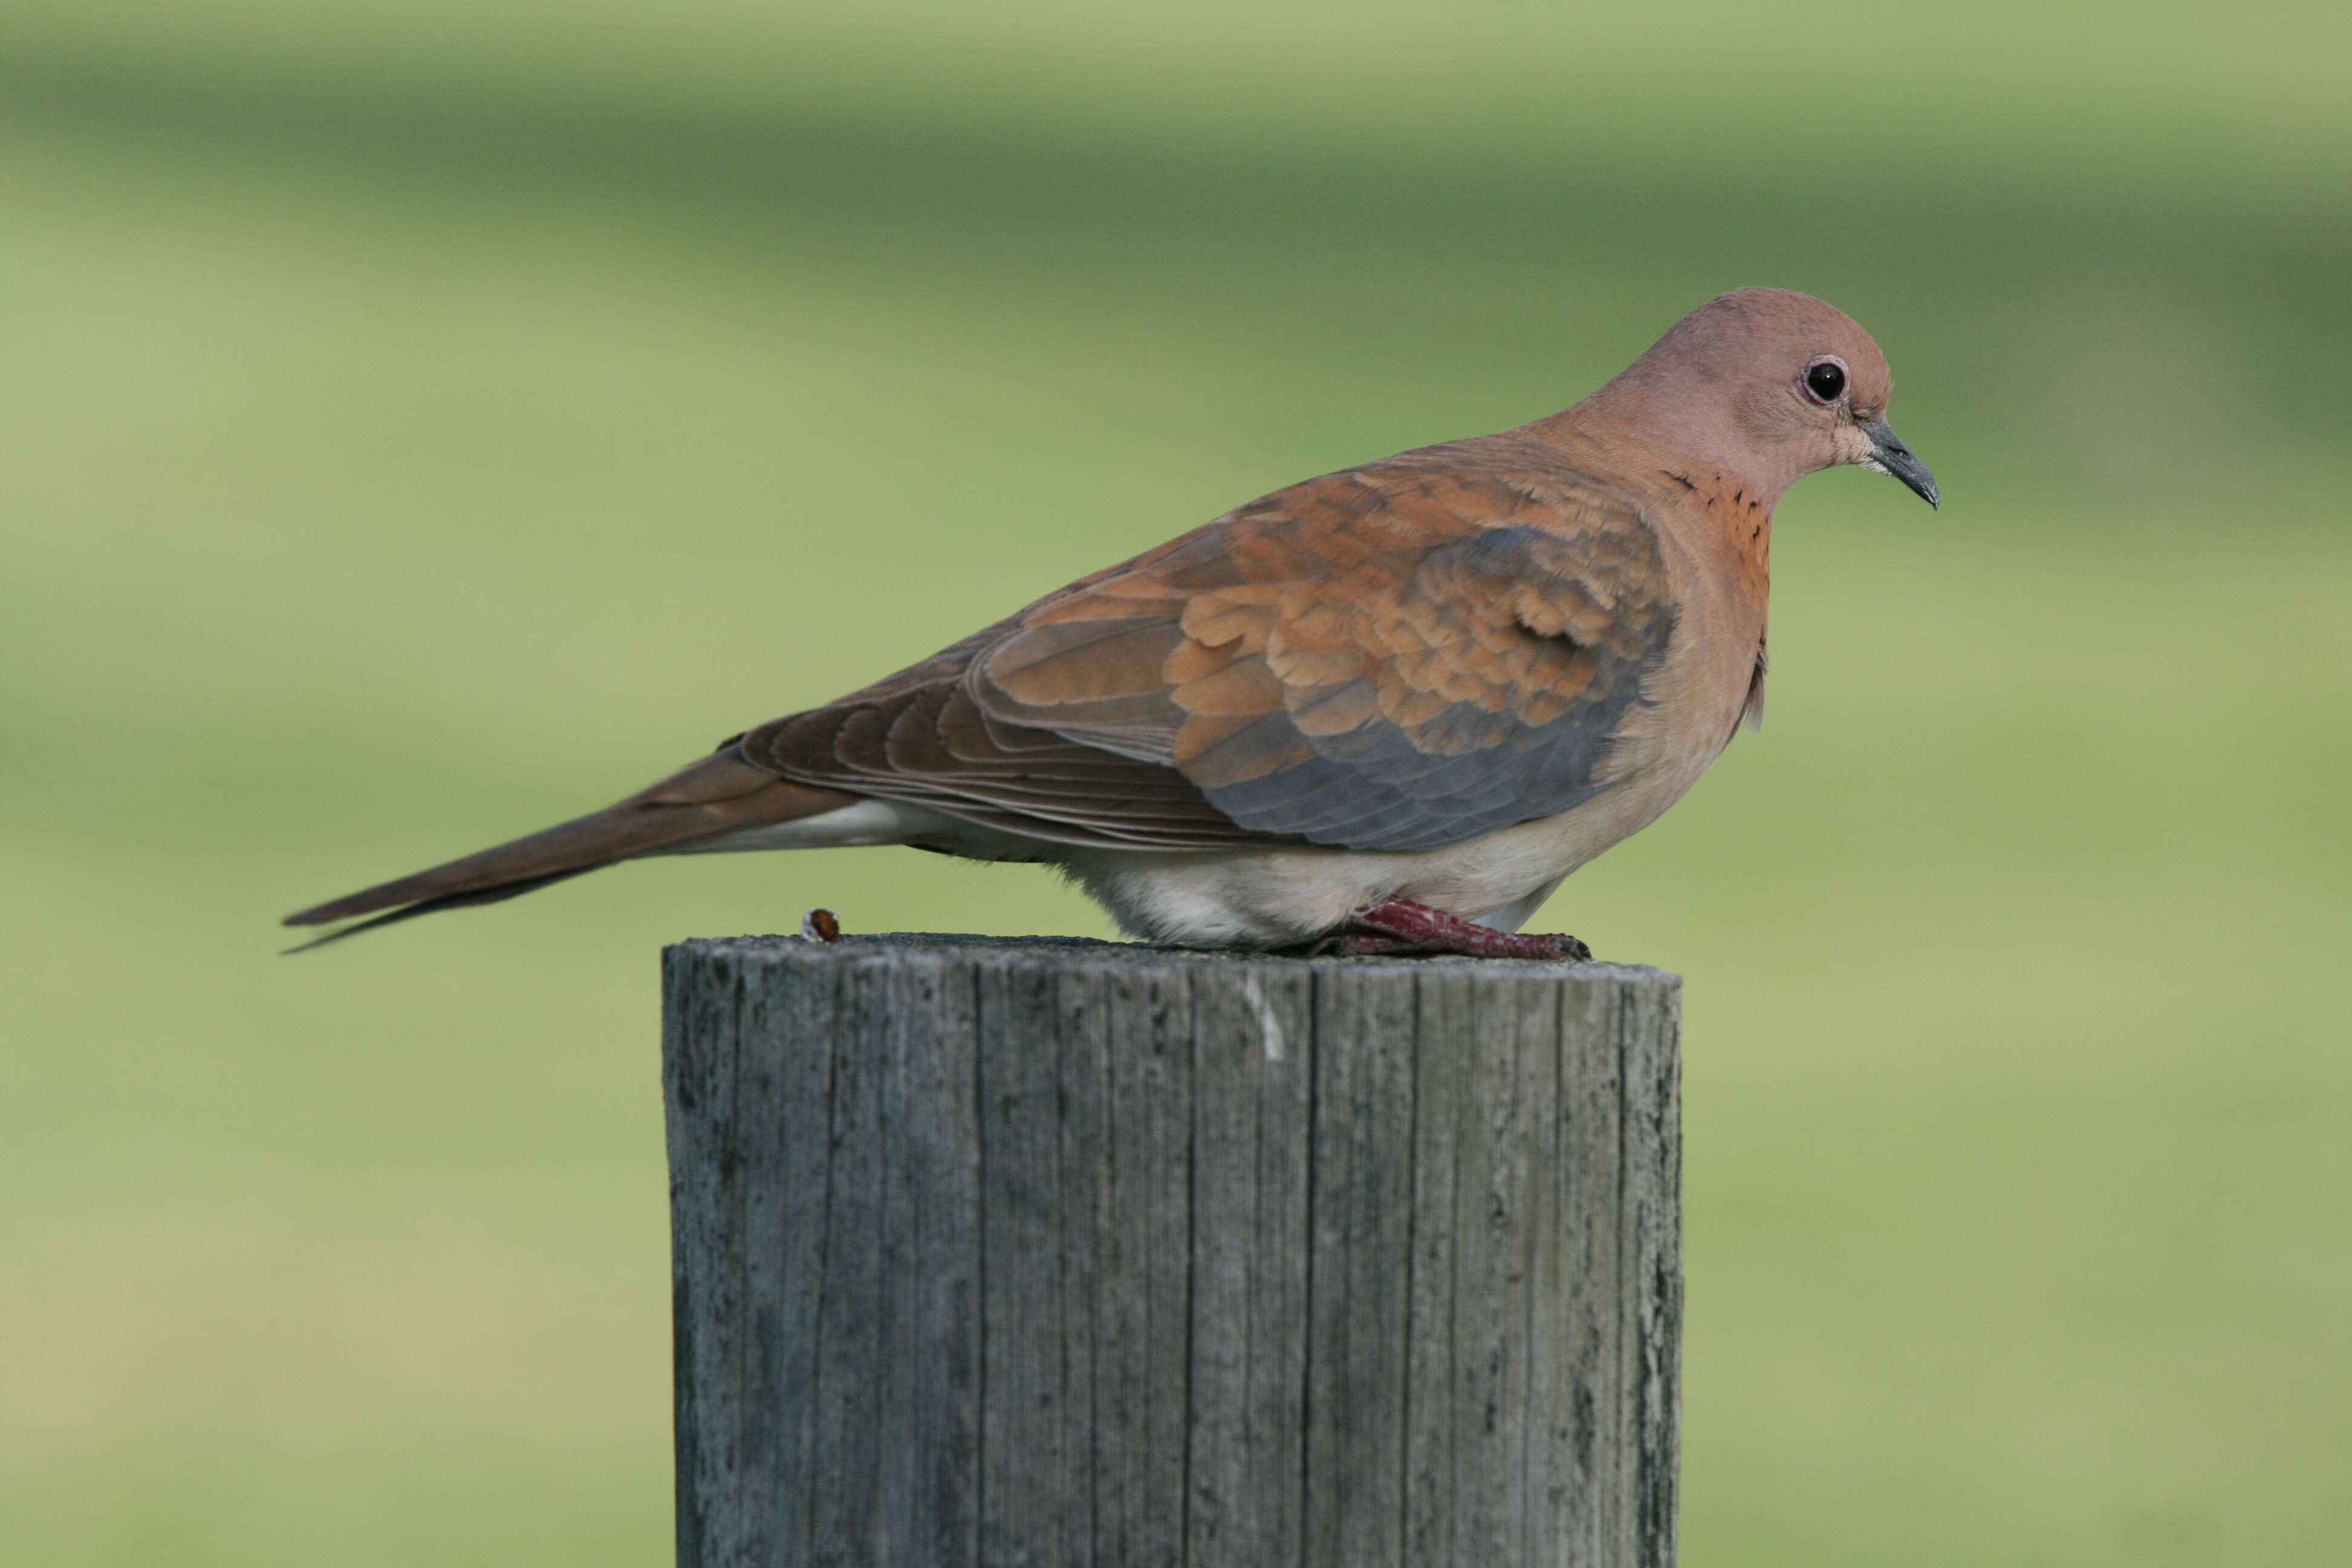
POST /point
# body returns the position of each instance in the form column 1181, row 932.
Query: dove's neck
column 1647, row 427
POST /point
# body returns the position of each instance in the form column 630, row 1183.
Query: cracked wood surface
column 997, row 1252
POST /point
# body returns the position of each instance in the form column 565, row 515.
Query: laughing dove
column 1386, row 709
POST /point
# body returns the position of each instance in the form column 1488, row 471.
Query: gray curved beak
column 1888, row 455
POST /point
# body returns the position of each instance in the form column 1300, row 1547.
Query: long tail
column 721, row 795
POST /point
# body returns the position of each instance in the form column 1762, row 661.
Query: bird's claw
column 1400, row 928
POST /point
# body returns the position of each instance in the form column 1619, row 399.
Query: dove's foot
column 1401, row 927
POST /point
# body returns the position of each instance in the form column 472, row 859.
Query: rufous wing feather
column 1396, row 657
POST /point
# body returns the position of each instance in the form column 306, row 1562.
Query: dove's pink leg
column 1401, row 926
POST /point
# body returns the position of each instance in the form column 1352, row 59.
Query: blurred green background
column 424, row 422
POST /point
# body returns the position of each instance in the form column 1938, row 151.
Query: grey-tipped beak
column 1888, row 455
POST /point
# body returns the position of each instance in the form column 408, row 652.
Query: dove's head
column 1769, row 383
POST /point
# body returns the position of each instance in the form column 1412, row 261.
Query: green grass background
column 419, row 423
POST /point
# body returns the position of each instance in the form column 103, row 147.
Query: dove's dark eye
column 1825, row 379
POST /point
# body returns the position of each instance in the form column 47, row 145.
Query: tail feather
column 495, row 893
column 721, row 795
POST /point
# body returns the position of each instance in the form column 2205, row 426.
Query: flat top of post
column 1070, row 952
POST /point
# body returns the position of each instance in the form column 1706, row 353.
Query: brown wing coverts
column 1396, row 657
column 934, row 746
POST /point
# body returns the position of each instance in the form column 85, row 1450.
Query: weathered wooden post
column 1063, row 1254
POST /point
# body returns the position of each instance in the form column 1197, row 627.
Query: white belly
column 1275, row 898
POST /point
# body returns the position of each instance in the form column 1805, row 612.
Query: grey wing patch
column 1549, row 682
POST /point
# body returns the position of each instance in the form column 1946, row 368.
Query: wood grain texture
column 1074, row 1255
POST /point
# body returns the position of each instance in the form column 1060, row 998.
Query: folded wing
column 1396, row 657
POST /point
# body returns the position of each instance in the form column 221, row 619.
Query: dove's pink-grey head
column 1766, row 383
